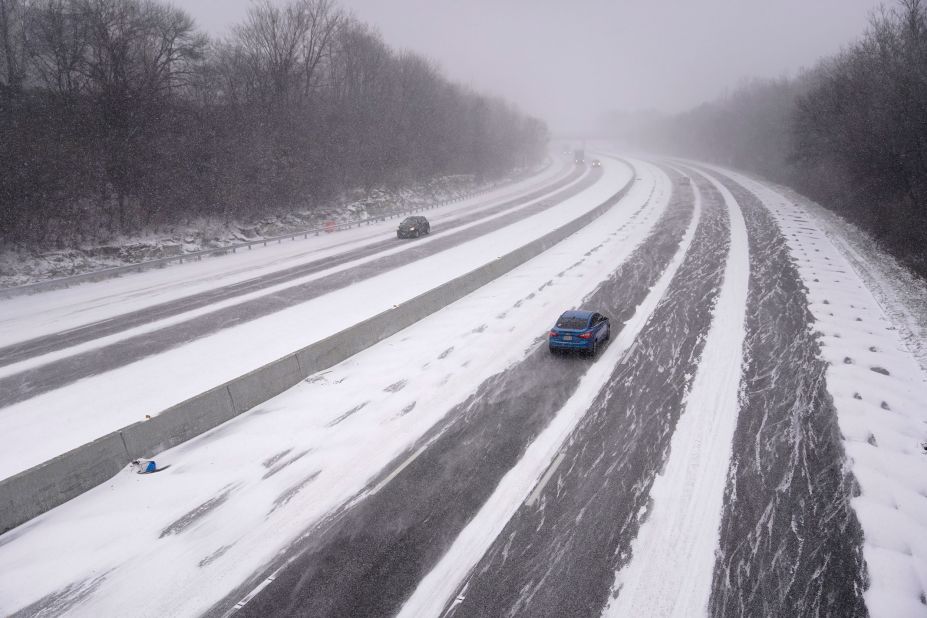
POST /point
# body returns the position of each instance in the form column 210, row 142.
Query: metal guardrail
column 195, row 256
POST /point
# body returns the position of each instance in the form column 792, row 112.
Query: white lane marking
column 244, row 601
column 673, row 559
column 436, row 589
column 544, row 479
column 398, row 470
column 457, row 601
column 628, row 354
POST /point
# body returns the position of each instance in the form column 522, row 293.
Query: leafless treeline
column 851, row 133
column 120, row 113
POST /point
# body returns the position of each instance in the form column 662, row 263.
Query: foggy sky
column 567, row 62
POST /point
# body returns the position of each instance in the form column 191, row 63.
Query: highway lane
column 369, row 557
column 254, row 485
column 790, row 542
column 57, row 341
column 558, row 555
column 57, row 373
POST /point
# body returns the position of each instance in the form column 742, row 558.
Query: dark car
column 413, row 227
column 596, row 163
column 579, row 330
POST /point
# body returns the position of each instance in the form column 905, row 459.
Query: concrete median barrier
column 269, row 381
column 58, row 480
column 43, row 487
column 179, row 423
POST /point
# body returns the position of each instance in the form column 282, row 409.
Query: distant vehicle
column 596, row 163
column 685, row 181
column 579, row 330
column 579, row 157
column 413, row 227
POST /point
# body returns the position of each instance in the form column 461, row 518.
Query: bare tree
column 851, row 133
column 130, row 116
column 12, row 45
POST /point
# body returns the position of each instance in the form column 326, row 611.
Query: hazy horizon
column 569, row 64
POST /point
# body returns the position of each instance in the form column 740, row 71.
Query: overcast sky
column 569, row 61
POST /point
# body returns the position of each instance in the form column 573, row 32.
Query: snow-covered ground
column 880, row 393
column 63, row 310
column 901, row 294
column 26, row 317
column 52, row 423
column 20, row 267
column 235, row 497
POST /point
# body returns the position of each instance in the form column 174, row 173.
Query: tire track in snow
column 371, row 559
column 557, row 556
column 790, row 544
column 670, row 571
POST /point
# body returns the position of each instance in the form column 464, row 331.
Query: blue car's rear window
column 574, row 323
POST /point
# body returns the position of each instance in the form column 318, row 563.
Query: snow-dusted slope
column 901, row 294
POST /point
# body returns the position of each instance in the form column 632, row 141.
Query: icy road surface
column 749, row 443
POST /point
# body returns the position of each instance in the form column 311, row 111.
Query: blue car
column 579, row 330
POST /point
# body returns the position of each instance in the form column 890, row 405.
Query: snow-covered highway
column 57, row 401
column 749, row 443
column 33, row 367
column 36, row 325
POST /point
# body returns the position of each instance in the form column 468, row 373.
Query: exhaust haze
column 569, row 62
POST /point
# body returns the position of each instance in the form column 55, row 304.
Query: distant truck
column 579, row 157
